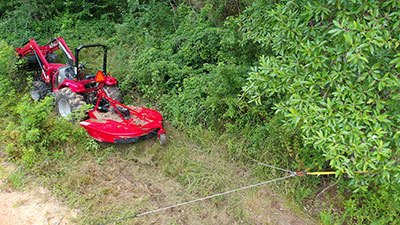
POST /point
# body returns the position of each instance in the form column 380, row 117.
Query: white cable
column 201, row 199
column 270, row 166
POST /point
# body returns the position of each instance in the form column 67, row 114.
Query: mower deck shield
column 110, row 127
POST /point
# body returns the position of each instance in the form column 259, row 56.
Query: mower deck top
column 110, row 127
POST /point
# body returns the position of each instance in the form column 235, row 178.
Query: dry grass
column 117, row 181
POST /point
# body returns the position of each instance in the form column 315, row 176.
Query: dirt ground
column 144, row 177
column 31, row 206
column 38, row 207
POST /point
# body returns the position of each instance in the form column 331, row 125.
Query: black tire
column 113, row 92
column 40, row 90
column 68, row 102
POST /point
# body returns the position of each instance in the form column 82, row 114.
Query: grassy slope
column 119, row 180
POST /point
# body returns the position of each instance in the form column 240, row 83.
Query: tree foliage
column 333, row 71
column 331, row 68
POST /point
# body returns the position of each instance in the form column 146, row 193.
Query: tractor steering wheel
column 81, row 70
column 81, row 66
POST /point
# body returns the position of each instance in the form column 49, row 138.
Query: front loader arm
column 31, row 48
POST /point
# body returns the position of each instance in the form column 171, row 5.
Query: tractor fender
column 74, row 85
column 111, row 81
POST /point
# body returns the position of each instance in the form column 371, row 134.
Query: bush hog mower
column 58, row 71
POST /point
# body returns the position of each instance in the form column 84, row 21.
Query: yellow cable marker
column 321, row 173
column 324, row 173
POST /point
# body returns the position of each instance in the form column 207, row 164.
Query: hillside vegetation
column 303, row 85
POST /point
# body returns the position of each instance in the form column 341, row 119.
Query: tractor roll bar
column 78, row 49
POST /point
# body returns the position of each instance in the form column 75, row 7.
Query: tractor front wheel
column 68, row 102
column 40, row 90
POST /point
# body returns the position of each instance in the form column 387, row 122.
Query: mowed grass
column 111, row 183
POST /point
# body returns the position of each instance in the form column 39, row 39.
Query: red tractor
column 59, row 72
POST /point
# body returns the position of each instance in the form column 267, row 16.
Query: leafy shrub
column 338, row 84
column 331, row 69
column 36, row 135
column 195, row 69
column 270, row 141
column 31, row 132
column 77, row 21
column 6, row 87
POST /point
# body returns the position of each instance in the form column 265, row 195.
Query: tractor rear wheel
column 113, row 92
column 68, row 102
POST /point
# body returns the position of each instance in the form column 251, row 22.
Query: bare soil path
column 30, row 206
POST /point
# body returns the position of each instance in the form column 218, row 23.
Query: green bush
column 195, row 70
column 77, row 21
column 37, row 135
column 337, row 82
column 30, row 130
column 6, row 88
column 331, row 69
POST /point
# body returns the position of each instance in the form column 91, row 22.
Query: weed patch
column 16, row 179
